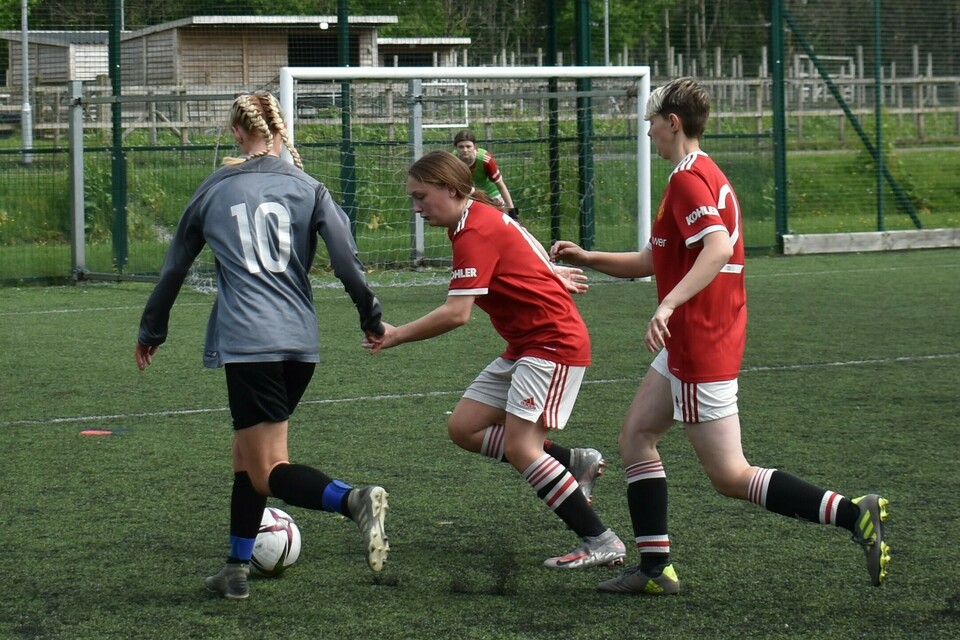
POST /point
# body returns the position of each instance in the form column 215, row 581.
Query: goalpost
column 570, row 142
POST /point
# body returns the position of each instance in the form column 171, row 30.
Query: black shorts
column 265, row 391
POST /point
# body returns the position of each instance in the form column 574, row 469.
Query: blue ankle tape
column 241, row 548
column 333, row 495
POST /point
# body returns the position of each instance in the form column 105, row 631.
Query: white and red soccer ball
column 278, row 543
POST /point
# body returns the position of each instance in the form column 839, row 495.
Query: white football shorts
column 529, row 388
column 695, row 402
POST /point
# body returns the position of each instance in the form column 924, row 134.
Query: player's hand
column 657, row 330
column 143, row 355
column 573, row 278
column 514, row 213
column 568, row 252
column 377, row 343
column 370, row 338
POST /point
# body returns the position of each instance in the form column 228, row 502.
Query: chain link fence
column 847, row 68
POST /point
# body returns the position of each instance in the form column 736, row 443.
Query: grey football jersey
column 262, row 219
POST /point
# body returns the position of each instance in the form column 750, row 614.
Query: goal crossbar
column 289, row 76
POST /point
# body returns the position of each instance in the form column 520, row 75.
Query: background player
column 261, row 217
column 483, row 170
column 508, row 410
column 698, row 332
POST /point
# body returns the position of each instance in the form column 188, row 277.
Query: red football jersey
column 497, row 260
column 708, row 332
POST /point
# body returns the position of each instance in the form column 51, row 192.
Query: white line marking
column 432, row 394
column 127, row 308
column 851, row 363
column 845, row 271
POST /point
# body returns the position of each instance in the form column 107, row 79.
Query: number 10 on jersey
column 256, row 242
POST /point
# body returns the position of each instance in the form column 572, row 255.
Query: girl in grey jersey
column 262, row 217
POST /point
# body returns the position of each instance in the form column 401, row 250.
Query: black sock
column 847, row 514
column 791, row 496
column 246, row 507
column 299, row 485
column 559, row 490
column 647, row 500
column 652, row 564
column 578, row 515
column 246, row 512
column 559, row 453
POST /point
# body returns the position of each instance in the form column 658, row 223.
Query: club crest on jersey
column 698, row 213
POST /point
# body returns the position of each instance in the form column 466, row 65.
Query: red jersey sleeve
column 475, row 261
column 694, row 207
column 490, row 167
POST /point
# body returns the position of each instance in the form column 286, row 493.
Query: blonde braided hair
column 260, row 112
column 274, row 116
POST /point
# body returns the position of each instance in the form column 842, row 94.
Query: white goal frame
column 288, row 76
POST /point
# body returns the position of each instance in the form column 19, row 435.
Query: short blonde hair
column 685, row 98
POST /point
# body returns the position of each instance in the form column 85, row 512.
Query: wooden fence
column 196, row 110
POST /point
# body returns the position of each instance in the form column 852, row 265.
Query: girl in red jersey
column 698, row 332
column 508, row 410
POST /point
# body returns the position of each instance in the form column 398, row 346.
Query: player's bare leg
column 469, row 422
column 718, row 447
column 480, row 428
column 649, row 417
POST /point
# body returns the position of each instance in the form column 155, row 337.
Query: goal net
column 570, row 143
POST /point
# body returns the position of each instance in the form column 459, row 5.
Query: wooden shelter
column 55, row 57
column 199, row 51
column 241, row 51
column 422, row 52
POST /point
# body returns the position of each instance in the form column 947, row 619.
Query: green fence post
column 118, row 159
column 585, row 130
column 779, row 122
column 348, row 158
column 878, row 106
column 553, row 125
column 78, row 241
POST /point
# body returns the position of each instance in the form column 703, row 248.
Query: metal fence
column 834, row 89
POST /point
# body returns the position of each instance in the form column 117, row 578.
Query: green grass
column 849, row 381
column 836, row 192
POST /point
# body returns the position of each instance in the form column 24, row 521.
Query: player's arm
column 717, row 250
column 334, row 229
column 492, row 171
column 184, row 248
column 625, row 264
column 505, row 193
column 572, row 278
column 454, row 312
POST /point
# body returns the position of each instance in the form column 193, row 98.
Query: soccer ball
column 278, row 543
